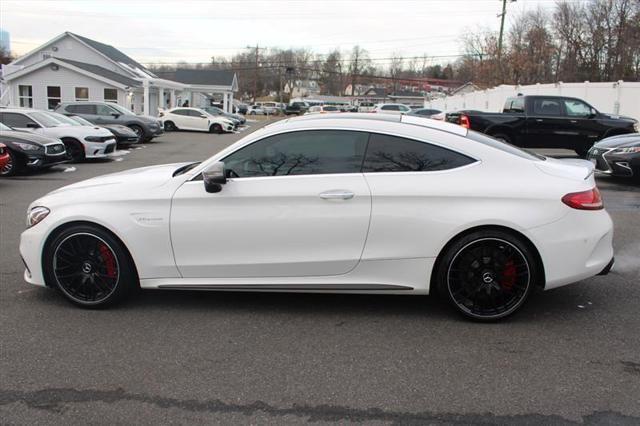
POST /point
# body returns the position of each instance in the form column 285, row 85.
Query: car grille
column 55, row 149
column 597, row 155
column 109, row 149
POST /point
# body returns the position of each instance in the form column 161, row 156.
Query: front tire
column 169, row 126
column 487, row 275
column 215, row 128
column 14, row 166
column 89, row 266
column 139, row 131
column 75, row 150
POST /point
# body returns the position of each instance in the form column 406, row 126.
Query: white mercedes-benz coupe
column 350, row 203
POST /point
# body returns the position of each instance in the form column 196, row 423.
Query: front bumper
column 155, row 131
column 99, row 149
column 607, row 162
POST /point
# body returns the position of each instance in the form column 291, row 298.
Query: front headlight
column 28, row 146
column 36, row 215
column 636, row 127
column 94, row 139
column 627, row 150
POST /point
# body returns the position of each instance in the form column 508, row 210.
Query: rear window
column 503, row 146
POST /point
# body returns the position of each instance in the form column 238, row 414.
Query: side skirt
column 290, row 287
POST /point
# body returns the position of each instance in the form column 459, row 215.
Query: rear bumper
column 578, row 246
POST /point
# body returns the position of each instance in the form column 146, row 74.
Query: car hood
column 76, row 131
column 18, row 136
column 140, row 179
column 119, row 128
column 618, row 141
column 619, row 117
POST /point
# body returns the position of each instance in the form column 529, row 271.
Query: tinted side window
column 300, row 153
column 395, row 154
column 194, row 113
column 15, row 120
column 82, row 109
column 104, row 110
column 390, row 108
column 576, row 108
column 547, row 107
column 180, row 112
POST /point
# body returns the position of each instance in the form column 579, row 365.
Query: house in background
column 74, row 68
column 302, row 89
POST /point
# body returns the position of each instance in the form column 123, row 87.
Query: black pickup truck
column 546, row 122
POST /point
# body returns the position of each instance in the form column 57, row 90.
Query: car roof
column 358, row 118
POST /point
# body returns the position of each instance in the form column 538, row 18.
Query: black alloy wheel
column 169, row 126
column 89, row 266
column 215, row 128
column 488, row 275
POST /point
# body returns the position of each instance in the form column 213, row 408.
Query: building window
column 111, row 95
column 53, row 97
column 25, row 96
column 82, row 93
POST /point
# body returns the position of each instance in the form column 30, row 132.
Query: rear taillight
column 464, row 121
column 585, row 200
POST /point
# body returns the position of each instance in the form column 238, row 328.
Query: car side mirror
column 32, row 126
column 115, row 114
column 214, row 177
column 593, row 113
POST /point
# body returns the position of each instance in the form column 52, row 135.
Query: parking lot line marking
column 69, row 169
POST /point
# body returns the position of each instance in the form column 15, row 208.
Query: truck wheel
column 502, row 137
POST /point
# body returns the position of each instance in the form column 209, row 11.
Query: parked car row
column 75, row 131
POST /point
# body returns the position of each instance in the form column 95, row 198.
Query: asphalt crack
column 57, row 399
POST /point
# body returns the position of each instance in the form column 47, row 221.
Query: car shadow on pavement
column 562, row 303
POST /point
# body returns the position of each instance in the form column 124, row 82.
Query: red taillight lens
column 464, row 121
column 585, row 200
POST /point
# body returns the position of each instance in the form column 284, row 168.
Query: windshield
column 213, row 110
column 63, row 119
column 47, row 120
column 121, row 109
column 81, row 120
column 504, row 146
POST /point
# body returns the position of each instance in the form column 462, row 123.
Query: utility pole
column 355, row 70
column 502, row 15
column 255, row 81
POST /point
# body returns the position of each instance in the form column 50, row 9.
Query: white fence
column 618, row 97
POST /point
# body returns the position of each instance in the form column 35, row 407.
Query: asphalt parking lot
column 572, row 355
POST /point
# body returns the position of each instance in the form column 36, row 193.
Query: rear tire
column 14, row 166
column 89, row 266
column 487, row 275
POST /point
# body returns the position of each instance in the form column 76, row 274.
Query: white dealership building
column 71, row 67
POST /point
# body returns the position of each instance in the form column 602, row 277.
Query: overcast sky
column 193, row 31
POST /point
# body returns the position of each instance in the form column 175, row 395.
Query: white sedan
column 351, row 203
column 80, row 141
column 184, row 118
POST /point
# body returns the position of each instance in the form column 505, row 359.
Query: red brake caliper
column 508, row 275
column 109, row 260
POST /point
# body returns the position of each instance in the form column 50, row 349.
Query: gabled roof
column 103, row 72
column 200, row 77
column 406, row 94
column 376, row 91
column 110, row 52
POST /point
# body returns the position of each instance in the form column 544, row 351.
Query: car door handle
column 573, row 121
column 337, row 194
column 539, row 120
